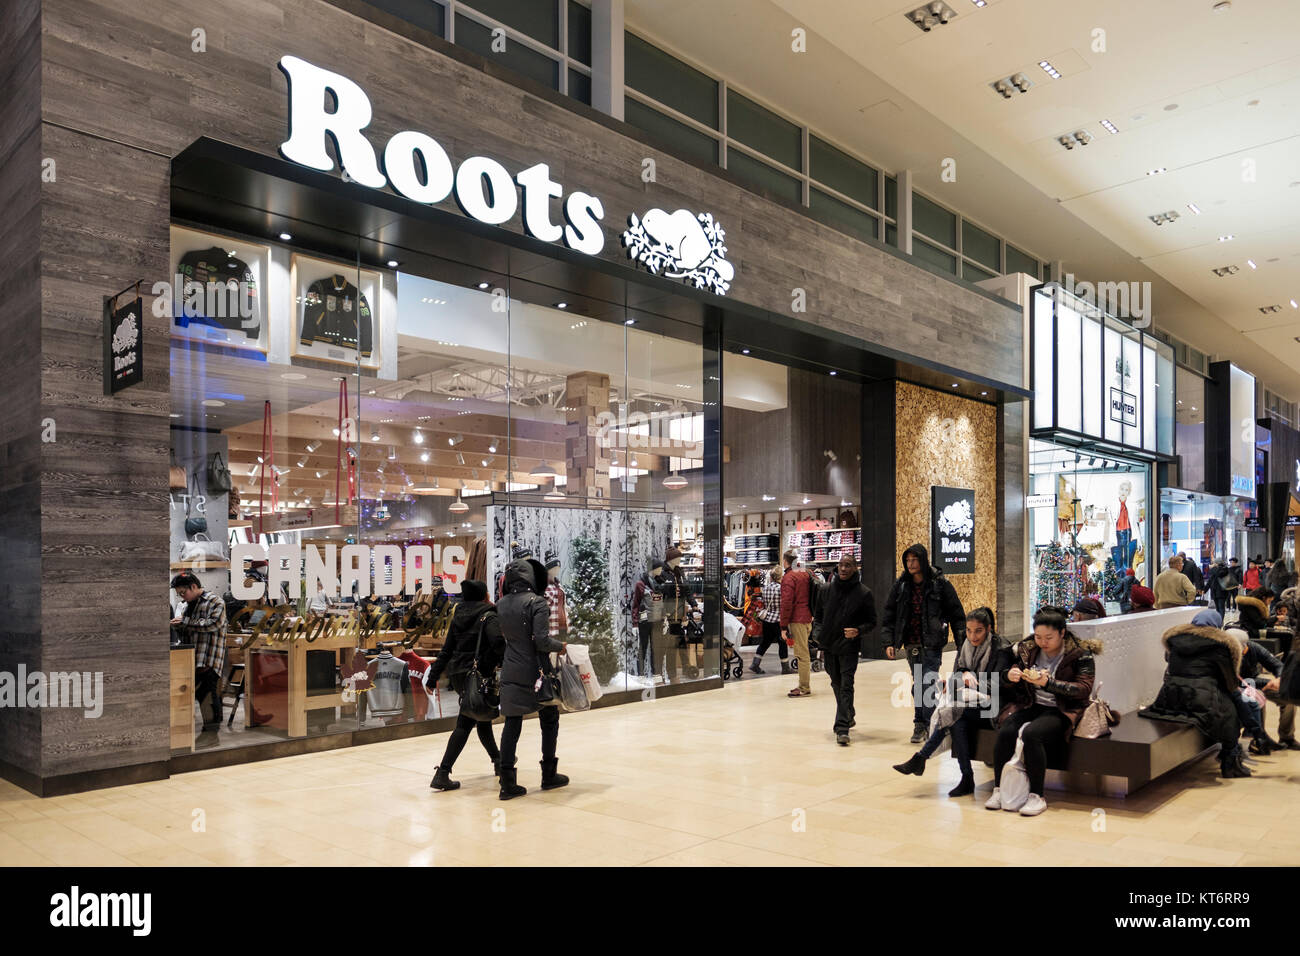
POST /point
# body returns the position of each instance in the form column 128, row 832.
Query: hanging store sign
column 952, row 529
column 1040, row 501
column 123, row 344
column 681, row 245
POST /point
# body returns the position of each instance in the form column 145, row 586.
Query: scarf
column 973, row 658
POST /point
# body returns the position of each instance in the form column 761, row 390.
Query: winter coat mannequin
column 679, row 602
column 648, row 616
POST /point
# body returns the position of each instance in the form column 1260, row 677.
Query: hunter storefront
column 456, row 321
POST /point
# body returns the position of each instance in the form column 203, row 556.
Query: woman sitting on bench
column 1050, row 685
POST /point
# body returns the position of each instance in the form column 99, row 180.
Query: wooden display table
column 182, row 698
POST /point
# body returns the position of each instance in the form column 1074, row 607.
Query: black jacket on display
column 940, row 607
column 335, row 313
column 238, row 308
column 457, row 654
column 526, row 626
column 1200, row 682
column 845, row 604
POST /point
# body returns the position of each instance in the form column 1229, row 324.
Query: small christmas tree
column 1110, row 581
column 591, row 620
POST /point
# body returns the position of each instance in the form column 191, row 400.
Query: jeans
column 925, row 663
column 459, row 736
column 548, row 718
column 207, row 687
column 1220, row 602
column 771, row 635
column 1046, row 730
column 1251, row 714
column 841, row 669
column 644, row 666
column 965, row 727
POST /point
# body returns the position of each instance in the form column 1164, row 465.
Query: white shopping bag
column 580, row 654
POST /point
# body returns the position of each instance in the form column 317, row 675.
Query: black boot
column 442, row 780
column 550, row 779
column 965, row 787
column 753, row 666
column 914, row 764
column 496, row 766
column 786, row 668
column 509, row 788
column 1260, row 745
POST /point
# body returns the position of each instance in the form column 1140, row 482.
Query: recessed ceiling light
column 1109, row 127
column 214, row 403
column 983, row 393
column 1251, row 263
column 954, row 384
column 806, row 500
column 393, row 263
column 833, row 372
column 1049, row 69
column 630, row 322
column 1156, row 172
column 561, row 305
column 285, row 237
column 174, row 415
column 1293, row 305
column 1228, row 238
column 424, row 456
column 1225, row 271
column 744, row 351
column 1169, row 108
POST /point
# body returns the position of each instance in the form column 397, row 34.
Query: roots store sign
column 681, row 245
column 952, row 529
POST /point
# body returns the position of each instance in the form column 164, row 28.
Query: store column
column 588, row 458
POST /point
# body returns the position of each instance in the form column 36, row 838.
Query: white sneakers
column 1032, row 807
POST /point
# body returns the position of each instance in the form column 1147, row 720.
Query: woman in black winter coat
column 1199, row 685
column 525, row 623
column 455, row 659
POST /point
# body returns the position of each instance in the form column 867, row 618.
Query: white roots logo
column 126, row 335
column 956, row 519
column 681, row 245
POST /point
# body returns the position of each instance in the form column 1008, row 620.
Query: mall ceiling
column 1211, row 97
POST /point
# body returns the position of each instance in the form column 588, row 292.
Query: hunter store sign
column 681, row 245
column 952, row 529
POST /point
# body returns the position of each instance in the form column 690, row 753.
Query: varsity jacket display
column 240, row 308
column 390, row 691
column 335, row 313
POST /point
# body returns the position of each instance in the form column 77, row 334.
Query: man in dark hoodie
column 847, row 612
column 526, row 626
column 473, row 635
column 921, row 608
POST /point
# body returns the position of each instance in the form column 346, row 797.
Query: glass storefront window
column 1194, row 525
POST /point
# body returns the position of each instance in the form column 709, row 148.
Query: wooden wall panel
column 945, row 440
column 20, row 330
column 1013, row 541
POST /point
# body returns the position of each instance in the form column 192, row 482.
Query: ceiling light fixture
column 675, row 482
column 1156, row 172
column 1251, row 263
column 1196, row 210
column 453, row 441
column 392, row 453
column 285, row 237
column 1161, row 218
column 561, row 305
column 483, row 285
column 458, row 507
column 392, row 263
column 1049, row 69
column 492, row 447
column 424, row 456
column 1225, row 271
column 543, row 470
column 418, row 437
column 1227, row 238
column 1109, row 127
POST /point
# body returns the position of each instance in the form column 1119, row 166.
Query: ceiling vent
column 930, row 15
column 1161, row 218
column 1270, row 309
column 1224, row 271
column 1009, row 86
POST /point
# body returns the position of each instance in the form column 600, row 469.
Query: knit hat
column 473, row 591
column 521, row 552
column 1090, row 606
column 1130, row 573
column 552, row 560
column 1142, row 596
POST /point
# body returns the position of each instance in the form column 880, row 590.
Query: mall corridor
column 740, row 776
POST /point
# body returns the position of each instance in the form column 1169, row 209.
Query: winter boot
column 786, row 668
column 550, row 779
column 914, row 764
column 1231, row 766
column 753, row 666
column 965, row 787
column 496, row 766
column 442, row 780
column 510, row 789
column 1261, row 745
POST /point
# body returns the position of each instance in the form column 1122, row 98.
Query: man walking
column 796, row 619
column 847, row 611
column 203, row 621
column 1172, row 587
column 1192, row 571
column 922, row 607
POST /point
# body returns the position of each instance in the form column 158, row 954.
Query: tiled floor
column 737, row 776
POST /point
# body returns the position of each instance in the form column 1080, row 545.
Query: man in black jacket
column 1193, row 571
column 922, row 606
column 846, row 612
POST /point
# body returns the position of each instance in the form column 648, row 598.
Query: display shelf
column 198, row 565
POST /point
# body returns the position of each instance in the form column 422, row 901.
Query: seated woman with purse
column 1050, row 687
column 981, row 661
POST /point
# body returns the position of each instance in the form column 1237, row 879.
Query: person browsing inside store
column 983, row 659
column 796, row 618
column 1050, row 683
column 203, row 622
column 770, row 615
column 846, row 612
column 921, row 607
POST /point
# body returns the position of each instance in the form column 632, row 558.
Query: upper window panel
column 843, row 173
column 649, row 70
column 539, row 19
column 764, row 131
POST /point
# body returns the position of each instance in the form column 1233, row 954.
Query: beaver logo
column 681, row 245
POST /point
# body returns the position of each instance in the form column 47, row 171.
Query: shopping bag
column 580, row 654
column 1015, row 779
column 732, row 629
column 573, row 694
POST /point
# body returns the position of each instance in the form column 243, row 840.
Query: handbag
column 202, row 549
column 573, row 696
column 218, row 474
column 195, row 526
column 1097, row 718
column 1015, row 779
column 479, row 698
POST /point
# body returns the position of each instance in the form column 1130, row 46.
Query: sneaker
column 1033, row 806
column 918, row 734
column 800, row 693
column 842, row 739
column 995, row 801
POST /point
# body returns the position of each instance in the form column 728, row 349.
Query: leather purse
column 176, row 478
column 218, row 474
column 195, row 526
column 1097, row 718
column 479, row 698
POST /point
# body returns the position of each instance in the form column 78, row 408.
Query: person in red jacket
column 796, row 619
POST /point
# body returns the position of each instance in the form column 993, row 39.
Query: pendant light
column 544, row 470
column 555, row 494
column 458, row 507
column 675, row 481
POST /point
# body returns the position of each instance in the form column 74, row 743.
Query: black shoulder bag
column 480, row 699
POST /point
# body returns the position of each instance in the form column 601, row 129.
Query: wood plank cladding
column 944, row 440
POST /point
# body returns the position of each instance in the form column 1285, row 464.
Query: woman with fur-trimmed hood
column 1050, row 683
column 1204, row 663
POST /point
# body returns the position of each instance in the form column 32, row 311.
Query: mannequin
column 1124, row 543
column 678, row 605
column 556, row 598
column 648, row 614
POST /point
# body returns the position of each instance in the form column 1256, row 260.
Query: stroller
column 733, row 665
